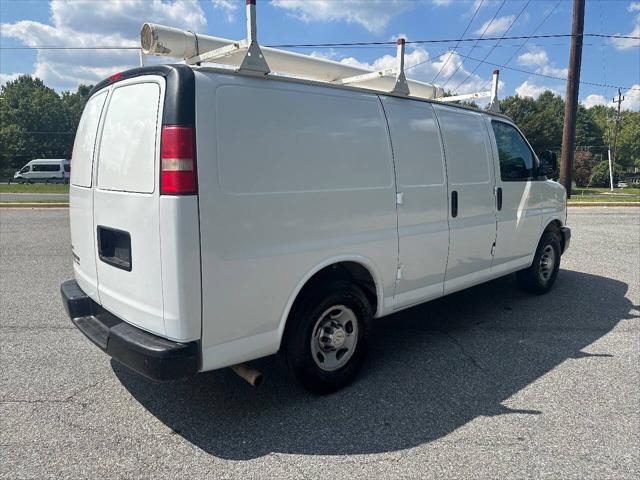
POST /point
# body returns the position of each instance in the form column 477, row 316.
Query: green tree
column 583, row 164
column 588, row 131
column 36, row 122
column 628, row 149
column 540, row 120
column 600, row 174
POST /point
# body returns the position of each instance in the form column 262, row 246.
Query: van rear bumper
column 154, row 357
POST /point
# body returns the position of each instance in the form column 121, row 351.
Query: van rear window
column 128, row 144
column 85, row 141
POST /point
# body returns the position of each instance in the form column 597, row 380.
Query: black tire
column 540, row 276
column 303, row 325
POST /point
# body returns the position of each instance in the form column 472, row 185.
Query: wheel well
column 555, row 226
column 350, row 271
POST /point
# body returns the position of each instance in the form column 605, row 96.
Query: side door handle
column 454, row 204
column 499, row 198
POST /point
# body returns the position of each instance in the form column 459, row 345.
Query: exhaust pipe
column 251, row 376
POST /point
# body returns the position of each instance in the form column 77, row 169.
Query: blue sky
column 95, row 23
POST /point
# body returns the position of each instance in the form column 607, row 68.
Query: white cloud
column 634, row 7
column 534, row 58
column 528, row 89
column 539, row 61
column 374, row 15
column 632, row 98
column 553, row 71
column 86, row 23
column 627, row 43
column 229, row 7
column 427, row 67
column 8, row 77
column 496, row 27
column 593, row 100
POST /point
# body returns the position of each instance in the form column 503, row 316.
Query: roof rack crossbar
column 400, row 87
column 253, row 60
column 494, row 104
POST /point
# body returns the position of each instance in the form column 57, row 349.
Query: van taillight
column 178, row 161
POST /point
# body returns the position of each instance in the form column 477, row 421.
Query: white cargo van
column 44, row 170
column 217, row 217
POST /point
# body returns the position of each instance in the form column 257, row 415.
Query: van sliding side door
column 423, row 231
column 470, row 180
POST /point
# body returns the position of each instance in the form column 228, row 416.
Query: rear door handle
column 499, row 198
column 454, row 204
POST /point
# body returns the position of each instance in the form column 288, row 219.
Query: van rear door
column 126, row 225
column 81, row 196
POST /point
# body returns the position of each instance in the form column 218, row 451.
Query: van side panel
column 290, row 176
column 180, row 257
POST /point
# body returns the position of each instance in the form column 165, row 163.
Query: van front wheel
column 541, row 275
column 324, row 346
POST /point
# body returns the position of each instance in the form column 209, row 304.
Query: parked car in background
column 623, row 185
column 44, row 170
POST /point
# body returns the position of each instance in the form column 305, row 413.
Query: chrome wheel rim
column 547, row 263
column 334, row 338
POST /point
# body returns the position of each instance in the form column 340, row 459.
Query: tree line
column 541, row 120
column 37, row 122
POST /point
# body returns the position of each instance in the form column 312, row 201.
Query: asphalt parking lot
column 487, row 383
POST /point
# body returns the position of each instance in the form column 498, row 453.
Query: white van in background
column 218, row 217
column 44, row 170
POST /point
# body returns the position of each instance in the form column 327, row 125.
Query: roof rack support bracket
column 401, row 87
column 253, row 61
column 494, row 104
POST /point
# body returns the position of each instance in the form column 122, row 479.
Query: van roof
column 45, row 160
column 165, row 70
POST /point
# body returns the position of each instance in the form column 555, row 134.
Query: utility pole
column 618, row 100
column 571, row 99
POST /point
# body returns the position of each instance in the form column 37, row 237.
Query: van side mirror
column 548, row 162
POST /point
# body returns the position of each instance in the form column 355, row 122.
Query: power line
column 458, row 42
column 353, row 47
column 351, row 44
column 476, row 43
column 450, row 40
column 491, row 51
column 535, row 30
column 60, row 47
column 564, row 79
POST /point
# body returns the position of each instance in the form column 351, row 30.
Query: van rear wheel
column 325, row 342
column 541, row 275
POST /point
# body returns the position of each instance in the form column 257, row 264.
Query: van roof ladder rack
column 246, row 56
